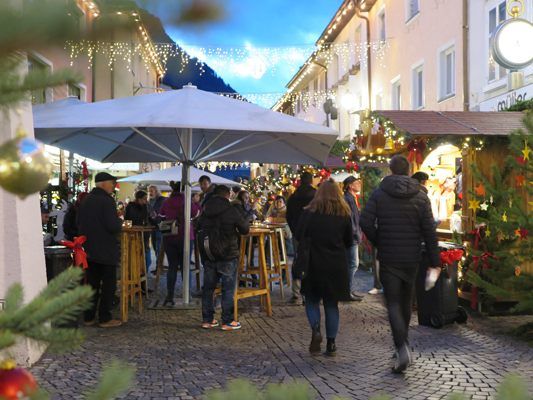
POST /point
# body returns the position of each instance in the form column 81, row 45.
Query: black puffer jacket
column 397, row 219
column 98, row 220
column 232, row 223
column 296, row 203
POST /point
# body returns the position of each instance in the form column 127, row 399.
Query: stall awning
column 462, row 123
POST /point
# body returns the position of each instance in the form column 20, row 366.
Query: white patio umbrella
column 164, row 176
column 187, row 125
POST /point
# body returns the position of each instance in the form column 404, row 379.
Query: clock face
column 512, row 45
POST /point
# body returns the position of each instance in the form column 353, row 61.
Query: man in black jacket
column 396, row 219
column 99, row 222
column 295, row 207
column 219, row 227
column 352, row 187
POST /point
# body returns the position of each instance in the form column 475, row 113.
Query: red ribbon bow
column 416, row 148
column 80, row 256
column 448, row 257
column 484, row 258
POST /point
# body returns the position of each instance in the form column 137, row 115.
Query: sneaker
column 210, row 325
column 233, row 326
column 375, row 291
column 112, row 323
column 92, row 322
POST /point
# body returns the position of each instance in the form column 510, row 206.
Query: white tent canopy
column 187, row 126
column 164, row 176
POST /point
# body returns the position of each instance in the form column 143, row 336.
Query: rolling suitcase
column 439, row 306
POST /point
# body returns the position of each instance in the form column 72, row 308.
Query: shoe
column 354, row 297
column 331, row 348
column 232, row 326
column 402, row 360
column 375, row 291
column 169, row 302
column 210, row 325
column 297, row 301
column 316, row 340
column 92, row 322
column 112, row 323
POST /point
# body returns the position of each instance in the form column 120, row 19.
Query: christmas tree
column 501, row 245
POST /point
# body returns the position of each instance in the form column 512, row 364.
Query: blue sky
column 255, row 24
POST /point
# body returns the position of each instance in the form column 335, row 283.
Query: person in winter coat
column 219, row 227
column 352, row 187
column 173, row 209
column 295, row 206
column 155, row 201
column 99, row 222
column 70, row 223
column 396, row 219
column 137, row 213
column 326, row 224
column 242, row 203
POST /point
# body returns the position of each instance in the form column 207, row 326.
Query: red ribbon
column 80, row 256
column 416, row 148
column 484, row 259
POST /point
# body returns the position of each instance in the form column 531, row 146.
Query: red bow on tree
column 80, row 256
column 351, row 166
column 416, row 148
column 448, row 257
column 484, row 259
column 324, row 174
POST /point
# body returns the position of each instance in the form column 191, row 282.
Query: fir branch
column 513, row 387
column 115, row 379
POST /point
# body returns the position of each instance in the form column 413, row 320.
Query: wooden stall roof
column 463, row 123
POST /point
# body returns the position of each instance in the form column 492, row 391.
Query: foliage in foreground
column 512, row 388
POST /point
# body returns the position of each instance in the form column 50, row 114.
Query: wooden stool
column 280, row 263
column 132, row 264
column 263, row 291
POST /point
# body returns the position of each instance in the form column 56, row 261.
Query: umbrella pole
column 187, row 217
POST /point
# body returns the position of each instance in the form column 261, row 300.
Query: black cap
column 103, row 177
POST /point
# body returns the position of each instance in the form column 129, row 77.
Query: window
column 497, row 15
column 413, row 8
column 447, row 73
column 418, row 88
column 74, row 91
column 38, row 96
column 381, row 26
column 396, row 98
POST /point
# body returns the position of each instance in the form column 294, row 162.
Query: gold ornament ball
column 24, row 168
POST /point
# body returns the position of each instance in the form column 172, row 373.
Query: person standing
column 396, row 219
column 219, row 227
column 422, row 178
column 326, row 224
column 70, row 223
column 206, row 187
column 352, row 188
column 295, row 206
column 154, row 207
column 99, row 222
column 173, row 209
column 137, row 213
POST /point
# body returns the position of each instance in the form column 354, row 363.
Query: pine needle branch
column 115, row 379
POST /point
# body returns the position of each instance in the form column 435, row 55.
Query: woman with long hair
column 326, row 225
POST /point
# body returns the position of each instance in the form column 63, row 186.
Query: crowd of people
column 327, row 222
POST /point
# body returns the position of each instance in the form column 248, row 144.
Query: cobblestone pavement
column 175, row 359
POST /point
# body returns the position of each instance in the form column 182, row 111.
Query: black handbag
column 302, row 259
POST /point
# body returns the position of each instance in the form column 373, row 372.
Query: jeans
column 296, row 283
column 226, row 271
column 103, row 279
column 331, row 310
column 174, row 252
column 156, row 242
column 398, row 297
column 352, row 254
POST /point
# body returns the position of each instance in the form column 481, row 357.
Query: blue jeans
column 352, row 254
column 331, row 310
column 226, row 271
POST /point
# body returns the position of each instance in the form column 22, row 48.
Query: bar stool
column 132, row 263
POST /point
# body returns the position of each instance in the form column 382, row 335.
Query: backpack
column 211, row 240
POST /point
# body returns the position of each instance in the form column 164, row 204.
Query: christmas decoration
column 24, row 169
column 15, row 383
column 521, row 160
column 504, row 216
column 517, row 271
column 526, row 151
column 484, row 206
column 480, row 190
column 80, row 256
column 473, row 205
column 520, row 180
column 523, row 233
column 448, row 257
column 416, row 148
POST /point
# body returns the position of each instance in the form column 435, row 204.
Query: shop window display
column 443, row 165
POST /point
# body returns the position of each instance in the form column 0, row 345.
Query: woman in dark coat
column 70, row 223
column 326, row 223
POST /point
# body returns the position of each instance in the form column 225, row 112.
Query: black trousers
column 398, row 284
column 103, row 279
